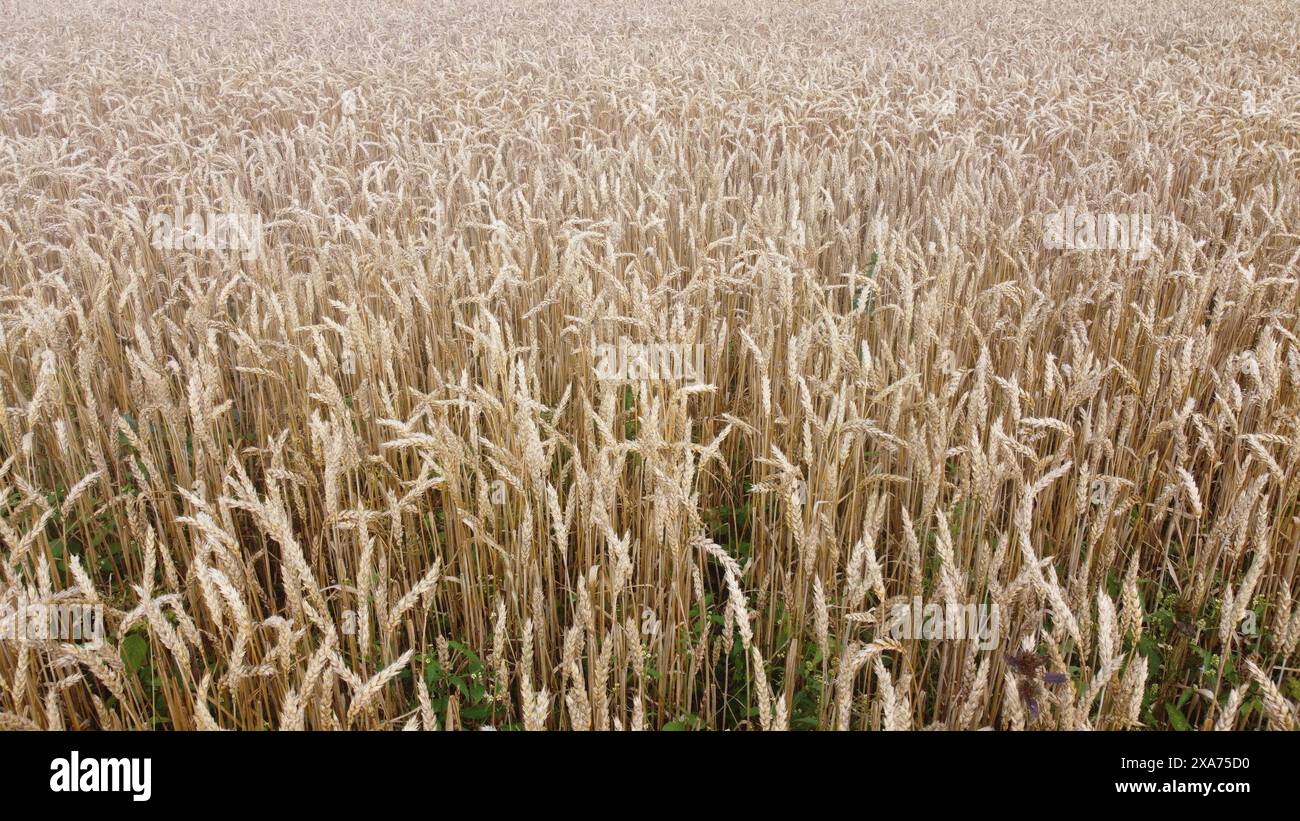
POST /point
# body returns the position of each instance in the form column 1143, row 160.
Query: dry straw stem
column 353, row 452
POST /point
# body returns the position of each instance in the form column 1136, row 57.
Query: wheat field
column 593, row 365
